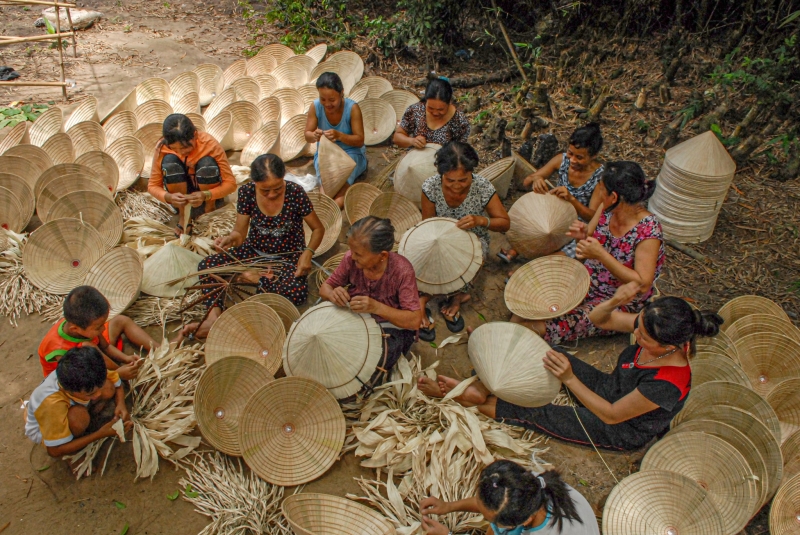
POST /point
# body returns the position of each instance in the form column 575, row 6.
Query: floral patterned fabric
column 415, row 123
column 583, row 193
column 575, row 323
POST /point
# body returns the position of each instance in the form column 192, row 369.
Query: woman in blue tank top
column 339, row 119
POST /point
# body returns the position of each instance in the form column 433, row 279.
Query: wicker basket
column 331, row 216
column 118, row 276
column 59, row 148
column 316, row 514
column 129, row 154
column 539, row 224
column 122, row 124
column 210, row 82
column 547, row 287
column 48, row 124
column 86, row 111
column 250, row 330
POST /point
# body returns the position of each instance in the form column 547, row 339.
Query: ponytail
column 672, row 321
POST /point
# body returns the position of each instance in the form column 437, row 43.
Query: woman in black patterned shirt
column 434, row 120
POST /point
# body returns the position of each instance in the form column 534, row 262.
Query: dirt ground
column 136, row 40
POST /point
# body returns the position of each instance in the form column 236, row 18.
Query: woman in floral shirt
column 623, row 243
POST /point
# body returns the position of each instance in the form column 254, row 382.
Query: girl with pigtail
column 516, row 501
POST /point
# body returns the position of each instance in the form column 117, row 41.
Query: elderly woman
column 579, row 173
column 338, row 119
column 371, row 279
column 189, row 169
column 269, row 226
column 623, row 410
column 433, row 120
column 623, row 243
column 456, row 192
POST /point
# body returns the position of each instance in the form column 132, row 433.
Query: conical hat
column 210, row 82
column 547, row 287
column 12, row 213
column 248, row 329
column 17, row 135
column 149, row 134
column 285, row 309
column 400, row 100
column 270, row 109
column 104, row 165
column 358, row 199
column 539, row 224
column 170, row 262
column 197, row 120
column 59, row 148
column 331, row 216
column 303, row 61
column 292, row 103
column 22, row 193
column 118, row 276
column 185, row 83
column 719, row 343
column 54, row 173
column 755, row 323
column 716, row 466
column 221, row 396
column 357, row 94
column 414, row 169
column 128, row 152
column 790, row 451
column 768, row 358
column 245, row 121
column 351, row 60
column 86, row 111
column 268, row 85
column 712, row 367
column 188, row 103
column 152, row 111
column 784, row 514
column 93, row 208
column 345, row 72
column 122, row 124
column 265, row 140
column 508, row 359
column 290, row 75
column 152, row 89
column 744, row 305
column 220, row 102
column 86, row 137
column 379, row 120
column 319, row 276
column 733, row 395
column 26, row 169
column 445, row 258
column 291, row 431
column 658, row 502
column 318, row 52
column 126, row 103
column 220, row 129
column 702, row 155
column 335, row 165
column 260, row 65
column 500, row 174
column 738, row 440
column 35, row 157
column 235, row 70
column 62, row 186
column 785, row 400
column 402, row 212
column 45, row 126
column 335, row 347
column 293, row 137
column 247, row 88
column 310, row 514
column 60, row 253
column 376, row 86
column 278, row 51
column 310, row 93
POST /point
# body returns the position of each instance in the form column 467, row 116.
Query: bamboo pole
column 37, row 84
column 61, row 49
column 508, row 42
column 15, row 40
column 34, row 2
column 72, row 30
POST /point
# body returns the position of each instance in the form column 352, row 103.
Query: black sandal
column 456, row 325
column 429, row 334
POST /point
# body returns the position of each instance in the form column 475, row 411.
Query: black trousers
column 178, row 180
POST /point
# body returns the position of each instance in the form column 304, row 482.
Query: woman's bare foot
column 475, row 394
column 429, row 387
column 197, row 330
column 450, row 309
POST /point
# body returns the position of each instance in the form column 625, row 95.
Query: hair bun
column 707, row 323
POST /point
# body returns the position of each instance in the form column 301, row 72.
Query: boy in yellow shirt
column 64, row 405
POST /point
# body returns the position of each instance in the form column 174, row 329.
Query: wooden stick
column 72, row 29
column 37, row 84
column 60, row 48
column 688, row 251
column 35, row 2
column 14, row 40
column 509, row 43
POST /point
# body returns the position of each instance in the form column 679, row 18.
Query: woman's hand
column 178, row 200
column 589, row 248
column 432, row 527
column 340, row 297
column 433, row 506
column 254, row 277
column 196, row 199
column 563, row 193
column 471, row 221
column 318, row 133
column 559, row 365
column 625, row 294
column 419, row 142
column 536, row 183
column 577, row 230
column 333, row 135
column 303, row 264
column 364, row 305
column 223, row 243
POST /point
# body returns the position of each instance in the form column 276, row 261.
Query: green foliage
column 769, row 78
column 727, row 141
column 12, row 116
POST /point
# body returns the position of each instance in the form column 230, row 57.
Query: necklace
column 668, row 353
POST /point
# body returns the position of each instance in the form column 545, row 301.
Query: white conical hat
column 445, row 258
column 335, row 347
column 539, row 224
column 508, row 359
column 702, row 155
column 500, row 174
column 415, row 168
column 335, row 166
column 167, row 264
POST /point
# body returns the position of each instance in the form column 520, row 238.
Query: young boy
column 85, row 323
column 62, row 407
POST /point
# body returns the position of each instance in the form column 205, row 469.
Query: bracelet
column 207, row 194
column 488, row 222
column 313, row 252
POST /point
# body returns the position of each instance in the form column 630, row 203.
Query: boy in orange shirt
column 64, row 405
column 86, row 323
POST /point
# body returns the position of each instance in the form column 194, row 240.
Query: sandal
column 506, row 256
column 429, row 334
column 456, row 325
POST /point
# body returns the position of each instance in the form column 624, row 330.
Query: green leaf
column 174, row 496
column 4, row 123
column 189, row 492
column 40, row 106
column 31, row 116
column 583, row 482
column 49, row 26
column 125, row 529
column 43, row 468
column 10, row 111
column 51, row 102
column 119, row 505
column 27, row 108
column 481, row 316
column 433, row 345
column 716, row 129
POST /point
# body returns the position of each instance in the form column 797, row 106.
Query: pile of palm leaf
column 217, row 223
column 136, row 204
column 148, row 235
column 155, row 310
column 17, row 295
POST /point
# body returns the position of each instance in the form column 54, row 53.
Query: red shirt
column 397, row 287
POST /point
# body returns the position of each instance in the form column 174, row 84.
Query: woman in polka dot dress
column 271, row 213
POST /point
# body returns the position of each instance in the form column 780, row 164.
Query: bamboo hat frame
column 85, row 111
column 379, row 120
column 59, row 148
column 104, row 165
column 358, row 199
column 93, row 208
column 331, row 216
column 400, row 100
column 49, row 123
column 313, row 514
column 547, row 287
column 122, row 124
column 210, row 82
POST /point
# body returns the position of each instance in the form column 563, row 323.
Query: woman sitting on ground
column 579, row 172
column 371, row 279
column 269, row 226
column 338, row 119
column 189, row 168
column 622, row 410
column 516, row 501
column 623, row 243
column 456, row 192
column 433, row 120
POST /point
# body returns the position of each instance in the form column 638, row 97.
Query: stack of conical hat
column 500, row 174
column 260, row 65
column 37, row 160
column 220, row 102
column 445, row 257
column 291, row 74
column 547, row 287
column 12, row 213
column 277, row 51
column 293, row 138
column 152, row 111
column 27, row 169
column 59, row 148
column 335, row 347
column 94, row 208
column 400, row 100
column 248, row 89
column 539, row 224
column 715, row 367
column 118, row 276
column 691, row 188
column 149, row 135
column 785, row 401
column 165, row 266
column 18, row 193
column 129, row 154
column 285, row 309
column 415, row 168
column 245, row 121
column 784, row 513
column 335, row 165
column 104, row 165
column 745, row 305
column 318, row 52
column 768, row 358
column 270, row 108
column 86, row 111
column 49, row 123
column 309, row 514
column 508, row 360
column 122, row 124
column 87, row 136
column 152, row 89
column 310, row 93
column 376, row 86
column 235, row 70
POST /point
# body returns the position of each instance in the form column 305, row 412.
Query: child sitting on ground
column 68, row 401
column 85, row 323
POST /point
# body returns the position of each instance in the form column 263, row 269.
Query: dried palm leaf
column 135, row 204
column 217, row 223
column 150, row 310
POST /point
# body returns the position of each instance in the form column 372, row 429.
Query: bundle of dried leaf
column 148, row 235
column 17, row 295
column 236, row 502
column 136, row 204
column 82, row 462
column 217, row 223
column 153, row 310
